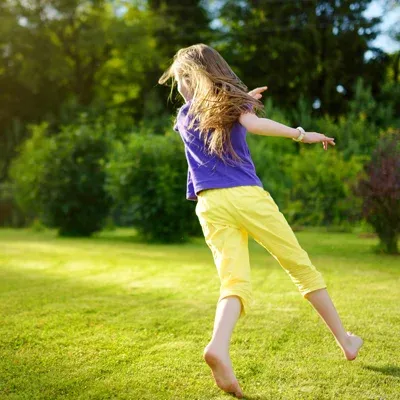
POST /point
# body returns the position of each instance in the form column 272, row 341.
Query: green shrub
column 28, row 168
column 320, row 189
column 10, row 214
column 310, row 185
column 147, row 176
column 267, row 153
column 37, row 225
column 354, row 135
column 61, row 178
column 379, row 186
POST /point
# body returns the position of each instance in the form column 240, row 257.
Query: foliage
column 310, row 185
column 146, row 175
column 59, row 59
column 308, row 49
column 28, row 169
column 380, row 189
column 380, row 110
column 319, row 192
column 267, row 153
column 10, row 213
column 62, row 178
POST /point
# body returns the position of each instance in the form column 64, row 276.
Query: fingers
column 315, row 137
column 256, row 93
column 328, row 141
column 261, row 89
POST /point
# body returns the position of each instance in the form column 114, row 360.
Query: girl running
column 231, row 201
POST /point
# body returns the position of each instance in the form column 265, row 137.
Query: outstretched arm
column 268, row 127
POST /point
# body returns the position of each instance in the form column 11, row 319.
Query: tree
column 307, row 47
column 177, row 24
column 52, row 52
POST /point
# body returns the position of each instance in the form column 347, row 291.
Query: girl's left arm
column 268, row 127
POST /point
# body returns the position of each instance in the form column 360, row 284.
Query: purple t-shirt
column 207, row 171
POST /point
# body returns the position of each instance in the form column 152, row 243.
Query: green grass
column 111, row 318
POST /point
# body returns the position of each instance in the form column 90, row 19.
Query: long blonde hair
column 219, row 97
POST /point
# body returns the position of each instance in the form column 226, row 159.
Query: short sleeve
column 248, row 108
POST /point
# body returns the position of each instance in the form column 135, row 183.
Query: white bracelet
column 301, row 136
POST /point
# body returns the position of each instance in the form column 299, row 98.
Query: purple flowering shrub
column 380, row 189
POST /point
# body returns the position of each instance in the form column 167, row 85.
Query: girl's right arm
column 268, row 127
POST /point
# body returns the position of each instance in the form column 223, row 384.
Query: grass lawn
column 111, row 318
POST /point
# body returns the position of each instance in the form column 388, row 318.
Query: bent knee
column 243, row 292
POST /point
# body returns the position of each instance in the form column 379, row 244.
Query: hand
column 314, row 137
column 256, row 93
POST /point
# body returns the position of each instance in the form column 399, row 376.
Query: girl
column 231, row 201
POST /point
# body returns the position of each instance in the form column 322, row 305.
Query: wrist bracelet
column 301, row 136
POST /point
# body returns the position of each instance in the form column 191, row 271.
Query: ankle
column 217, row 347
column 344, row 341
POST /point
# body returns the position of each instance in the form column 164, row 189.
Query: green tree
column 298, row 48
column 177, row 24
column 52, row 52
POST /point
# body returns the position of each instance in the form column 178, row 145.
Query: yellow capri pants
column 227, row 216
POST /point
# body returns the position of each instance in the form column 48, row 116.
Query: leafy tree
column 176, row 24
column 295, row 48
column 51, row 54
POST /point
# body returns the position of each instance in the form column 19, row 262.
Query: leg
column 269, row 227
column 349, row 343
column 229, row 246
column 216, row 353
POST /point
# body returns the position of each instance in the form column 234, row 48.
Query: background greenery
column 86, row 133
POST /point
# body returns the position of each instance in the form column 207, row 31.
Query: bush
column 147, row 176
column 28, row 168
column 379, row 186
column 267, row 154
column 312, row 186
column 10, row 214
column 61, row 178
column 353, row 134
column 320, row 189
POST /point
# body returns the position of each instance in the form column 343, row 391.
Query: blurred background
column 86, row 139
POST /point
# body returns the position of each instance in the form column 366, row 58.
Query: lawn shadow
column 255, row 397
column 386, row 370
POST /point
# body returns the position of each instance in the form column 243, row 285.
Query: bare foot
column 351, row 349
column 221, row 368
